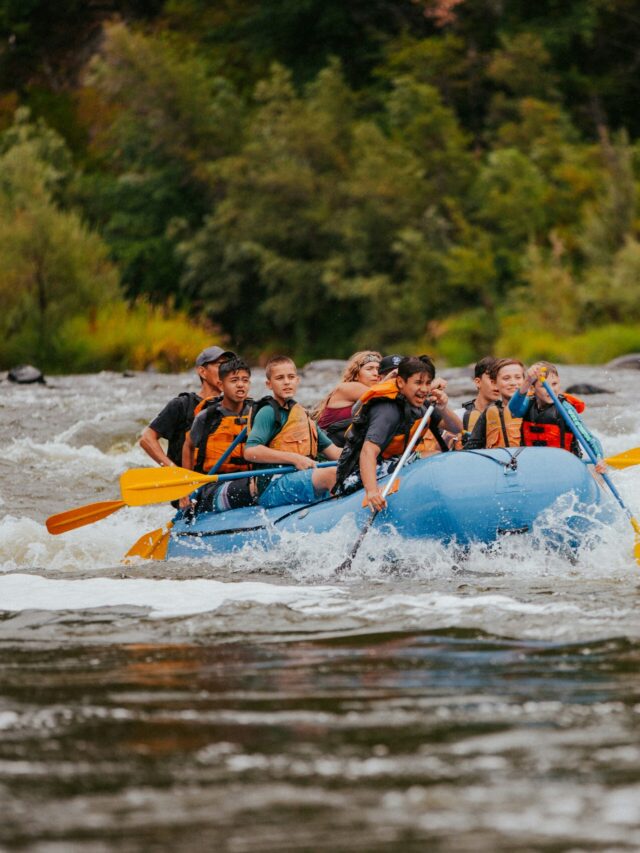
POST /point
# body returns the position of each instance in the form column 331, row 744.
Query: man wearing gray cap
column 174, row 421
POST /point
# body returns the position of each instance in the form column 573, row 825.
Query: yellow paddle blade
column 81, row 515
column 151, row 546
column 142, row 486
column 626, row 459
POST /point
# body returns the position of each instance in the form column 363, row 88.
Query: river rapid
column 258, row 703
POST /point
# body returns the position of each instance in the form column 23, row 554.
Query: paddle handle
column 584, row 444
column 408, row 450
column 220, row 462
column 236, row 441
column 266, row 472
column 346, row 564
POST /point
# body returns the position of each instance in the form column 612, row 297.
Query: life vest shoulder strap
column 205, row 403
column 578, row 404
column 388, row 388
column 502, row 429
column 267, row 400
column 190, row 402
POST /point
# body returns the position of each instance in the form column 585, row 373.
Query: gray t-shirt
column 386, row 418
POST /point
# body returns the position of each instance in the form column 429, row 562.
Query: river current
column 258, row 703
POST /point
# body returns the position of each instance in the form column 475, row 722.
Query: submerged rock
column 25, row 374
column 585, row 388
column 631, row 361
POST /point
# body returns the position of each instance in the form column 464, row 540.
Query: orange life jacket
column 469, row 420
column 355, row 435
column 389, row 390
column 503, row 430
column 220, row 430
column 298, row 435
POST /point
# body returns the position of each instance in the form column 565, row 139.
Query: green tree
column 53, row 266
column 257, row 264
column 165, row 118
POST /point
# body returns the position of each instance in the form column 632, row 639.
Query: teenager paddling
column 542, row 424
column 387, row 417
column 282, row 433
column 215, row 428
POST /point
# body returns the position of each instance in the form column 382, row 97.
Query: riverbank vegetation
column 455, row 176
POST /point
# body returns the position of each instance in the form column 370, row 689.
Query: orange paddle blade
column 151, row 546
column 81, row 515
column 142, row 486
column 626, row 459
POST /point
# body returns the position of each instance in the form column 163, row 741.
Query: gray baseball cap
column 213, row 354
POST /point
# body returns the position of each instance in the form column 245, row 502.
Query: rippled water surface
column 258, row 703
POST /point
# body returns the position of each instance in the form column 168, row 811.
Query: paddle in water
column 88, row 514
column 625, row 459
column 153, row 545
column 387, row 489
column 589, row 451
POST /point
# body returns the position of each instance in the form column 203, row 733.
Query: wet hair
column 231, row 366
column 484, row 366
column 548, row 366
column 499, row 363
column 416, row 364
column 274, row 361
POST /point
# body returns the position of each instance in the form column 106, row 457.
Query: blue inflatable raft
column 466, row 497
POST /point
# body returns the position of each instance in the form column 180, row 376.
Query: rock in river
column 630, row 361
column 25, row 374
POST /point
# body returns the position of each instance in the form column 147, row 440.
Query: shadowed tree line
column 452, row 175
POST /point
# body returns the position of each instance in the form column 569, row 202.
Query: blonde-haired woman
column 333, row 413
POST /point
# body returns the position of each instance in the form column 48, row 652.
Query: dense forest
column 316, row 176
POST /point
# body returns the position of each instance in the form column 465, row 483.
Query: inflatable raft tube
column 466, row 497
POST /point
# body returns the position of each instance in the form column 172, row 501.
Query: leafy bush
column 594, row 346
column 117, row 337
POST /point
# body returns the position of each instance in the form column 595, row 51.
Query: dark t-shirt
column 174, row 421
column 385, row 421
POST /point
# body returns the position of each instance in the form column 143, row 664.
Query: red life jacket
column 547, row 428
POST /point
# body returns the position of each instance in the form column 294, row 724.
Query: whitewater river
column 258, row 703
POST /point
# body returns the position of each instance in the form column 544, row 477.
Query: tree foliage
column 320, row 176
column 53, row 266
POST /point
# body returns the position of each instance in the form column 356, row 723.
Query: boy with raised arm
column 542, row 424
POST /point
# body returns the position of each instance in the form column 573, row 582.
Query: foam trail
column 26, row 544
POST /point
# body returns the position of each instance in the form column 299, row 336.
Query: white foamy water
column 85, row 434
